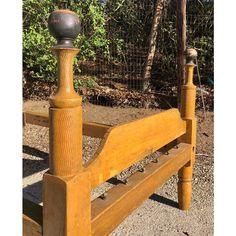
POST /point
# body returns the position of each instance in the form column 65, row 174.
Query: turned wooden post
column 66, row 187
column 187, row 109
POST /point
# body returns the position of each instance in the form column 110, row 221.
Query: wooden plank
column 30, row 227
column 67, row 205
column 128, row 143
column 36, row 118
column 91, row 129
column 33, row 211
column 108, row 213
column 95, row 130
column 32, row 218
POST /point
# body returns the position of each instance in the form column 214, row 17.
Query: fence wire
column 118, row 74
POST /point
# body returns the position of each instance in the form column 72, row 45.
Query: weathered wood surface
column 36, row 118
column 158, row 11
column 66, row 188
column 181, row 41
column 32, row 218
column 91, row 129
column 30, row 227
column 128, row 143
column 95, row 130
column 122, row 199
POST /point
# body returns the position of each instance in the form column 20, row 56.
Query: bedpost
column 187, row 109
column 66, row 187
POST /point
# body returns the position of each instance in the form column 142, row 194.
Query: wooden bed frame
column 67, row 208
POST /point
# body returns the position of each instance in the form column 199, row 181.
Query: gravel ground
column 158, row 215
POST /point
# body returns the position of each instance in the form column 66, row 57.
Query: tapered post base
column 185, row 187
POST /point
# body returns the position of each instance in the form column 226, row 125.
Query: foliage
column 85, row 81
column 110, row 27
column 199, row 36
column 93, row 38
column 38, row 62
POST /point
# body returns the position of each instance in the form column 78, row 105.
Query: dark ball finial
column 64, row 25
column 191, row 55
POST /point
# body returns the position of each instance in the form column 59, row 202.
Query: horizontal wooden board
column 30, row 227
column 91, row 129
column 95, row 130
column 128, row 143
column 122, row 199
column 36, row 118
column 32, row 218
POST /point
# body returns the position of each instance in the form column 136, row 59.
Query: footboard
column 128, row 143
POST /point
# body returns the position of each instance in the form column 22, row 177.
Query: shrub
column 38, row 61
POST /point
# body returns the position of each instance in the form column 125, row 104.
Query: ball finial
column 64, row 25
column 191, row 55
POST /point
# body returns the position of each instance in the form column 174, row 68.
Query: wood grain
column 181, row 41
column 31, row 227
column 187, row 109
column 32, row 218
column 67, row 205
column 128, row 143
column 91, row 129
column 122, row 199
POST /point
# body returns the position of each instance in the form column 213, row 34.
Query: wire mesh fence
column 118, row 75
column 113, row 73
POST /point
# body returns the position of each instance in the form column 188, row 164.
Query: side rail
column 90, row 129
column 32, row 218
column 128, row 143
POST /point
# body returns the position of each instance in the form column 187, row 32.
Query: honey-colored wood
column 65, row 141
column 31, row 227
column 66, row 188
column 95, row 130
column 185, row 186
column 122, row 199
column 128, row 143
column 188, row 97
column 67, row 206
column 36, row 118
column 90, row 129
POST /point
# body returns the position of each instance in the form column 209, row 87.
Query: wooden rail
column 90, row 129
column 128, row 143
column 122, row 199
column 32, row 218
column 31, row 227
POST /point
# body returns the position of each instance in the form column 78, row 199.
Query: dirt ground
column 158, row 215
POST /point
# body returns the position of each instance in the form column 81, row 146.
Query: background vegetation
column 111, row 28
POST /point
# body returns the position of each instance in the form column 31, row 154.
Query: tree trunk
column 159, row 6
column 181, row 44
